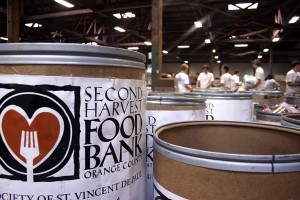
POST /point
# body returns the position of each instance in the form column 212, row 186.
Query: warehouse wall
column 244, row 68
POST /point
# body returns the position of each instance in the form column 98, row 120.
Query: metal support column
column 271, row 62
column 156, row 62
column 13, row 20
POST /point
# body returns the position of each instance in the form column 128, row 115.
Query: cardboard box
column 166, row 85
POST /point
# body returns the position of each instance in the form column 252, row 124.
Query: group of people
column 232, row 82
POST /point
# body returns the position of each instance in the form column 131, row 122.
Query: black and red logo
column 39, row 132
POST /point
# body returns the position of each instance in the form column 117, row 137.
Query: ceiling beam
column 58, row 14
column 79, row 35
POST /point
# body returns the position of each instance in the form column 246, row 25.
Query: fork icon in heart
column 29, row 149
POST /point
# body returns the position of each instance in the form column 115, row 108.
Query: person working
column 183, row 79
column 293, row 79
column 259, row 75
column 270, row 83
column 226, row 78
column 236, row 81
column 205, row 79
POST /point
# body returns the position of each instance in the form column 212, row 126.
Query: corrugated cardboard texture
column 74, row 70
column 166, row 89
column 166, row 82
column 197, row 183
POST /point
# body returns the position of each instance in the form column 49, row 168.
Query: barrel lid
column 174, row 99
column 69, row 54
column 228, row 161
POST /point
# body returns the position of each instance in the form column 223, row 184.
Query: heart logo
column 45, row 121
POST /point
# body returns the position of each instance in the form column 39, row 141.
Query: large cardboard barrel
column 291, row 119
column 226, row 106
column 268, row 118
column 162, row 109
column 72, row 122
column 215, row 160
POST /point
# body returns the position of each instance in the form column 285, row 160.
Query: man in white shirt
column 226, row 79
column 236, row 81
column 259, row 75
column 183, row 79
column 205, row 79
column 293, row 79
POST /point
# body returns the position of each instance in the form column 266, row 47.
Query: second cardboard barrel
column 226, row 161
column 226, row 106
column 162, row 109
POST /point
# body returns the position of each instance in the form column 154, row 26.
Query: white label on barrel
column 229, row 110
column 157, row 118
column 72, row 138
column 162, row 193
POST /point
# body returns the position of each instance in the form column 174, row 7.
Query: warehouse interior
column 150, row 99
column 224, row 24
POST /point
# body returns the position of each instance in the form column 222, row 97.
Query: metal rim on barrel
column 217, row 95
column 289, row 120
column 174, row 99
column 268, row 116
column 229, row 161
column 70, row 54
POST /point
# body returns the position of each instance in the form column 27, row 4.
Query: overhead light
column 198, row 24
column 183, row 46
column 218, row 61
column 150, row 55
column 119, row 29
column 186, row 61
column 133, row 48
column 239, row 6
column 259, row 56
column 165, row 51
column 92, row 43
column 147, row 43
column 275, row 39
column 117, row 15
column 232, row 7
column 293, row 19
column 265, row 50
column 34, row 25
column 207, row 41
column 64, row 3
column 214, row 51
column 216, row 57
column 243, row 5
column 124, row 15
column 241, row 45
column 3, row 38
column 254, row 6
column 128, row 15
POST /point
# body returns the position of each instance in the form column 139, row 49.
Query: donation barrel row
column 76, row 122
